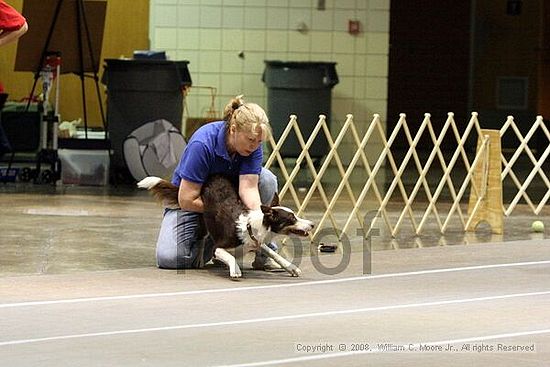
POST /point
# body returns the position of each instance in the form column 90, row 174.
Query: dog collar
column 249, row 229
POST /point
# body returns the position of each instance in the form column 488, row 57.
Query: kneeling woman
column 232, row 147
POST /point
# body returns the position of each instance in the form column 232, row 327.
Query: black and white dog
column 231, row 224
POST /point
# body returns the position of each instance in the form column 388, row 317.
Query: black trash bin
column 141, row 91
column 303, row 89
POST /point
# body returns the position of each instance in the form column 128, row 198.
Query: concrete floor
column 79, row 286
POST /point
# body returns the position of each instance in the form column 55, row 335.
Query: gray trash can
column 303, row 89
column 141, row 91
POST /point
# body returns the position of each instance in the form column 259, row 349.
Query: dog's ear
column 275, row 200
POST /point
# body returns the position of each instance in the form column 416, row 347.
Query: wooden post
column 486, row 203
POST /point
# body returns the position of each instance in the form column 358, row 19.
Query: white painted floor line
column 278, row 318
column 272, row 286
column 414, row 346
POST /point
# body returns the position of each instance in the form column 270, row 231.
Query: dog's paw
column 235, row 273
column 293, row 270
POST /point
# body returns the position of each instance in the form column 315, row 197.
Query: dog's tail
column 163, row 190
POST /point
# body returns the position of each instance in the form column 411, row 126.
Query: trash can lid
column 147, row 62
column 300, row 74
column 152, row 74
column 298, row 64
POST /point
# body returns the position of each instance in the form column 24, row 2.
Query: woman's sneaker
column 265, row 263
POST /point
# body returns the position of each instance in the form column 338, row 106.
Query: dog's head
column 283, row 220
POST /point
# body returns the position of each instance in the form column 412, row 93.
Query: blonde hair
column 246, row 117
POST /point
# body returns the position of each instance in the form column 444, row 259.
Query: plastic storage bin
column 303, row 89
column 84, row 166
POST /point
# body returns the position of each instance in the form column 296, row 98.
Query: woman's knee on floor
column 177, row 241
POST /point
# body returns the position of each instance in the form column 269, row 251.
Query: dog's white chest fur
column 254, row 219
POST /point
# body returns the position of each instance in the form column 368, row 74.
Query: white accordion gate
column 441, row 166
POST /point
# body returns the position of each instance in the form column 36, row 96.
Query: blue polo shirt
column 206, row 154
